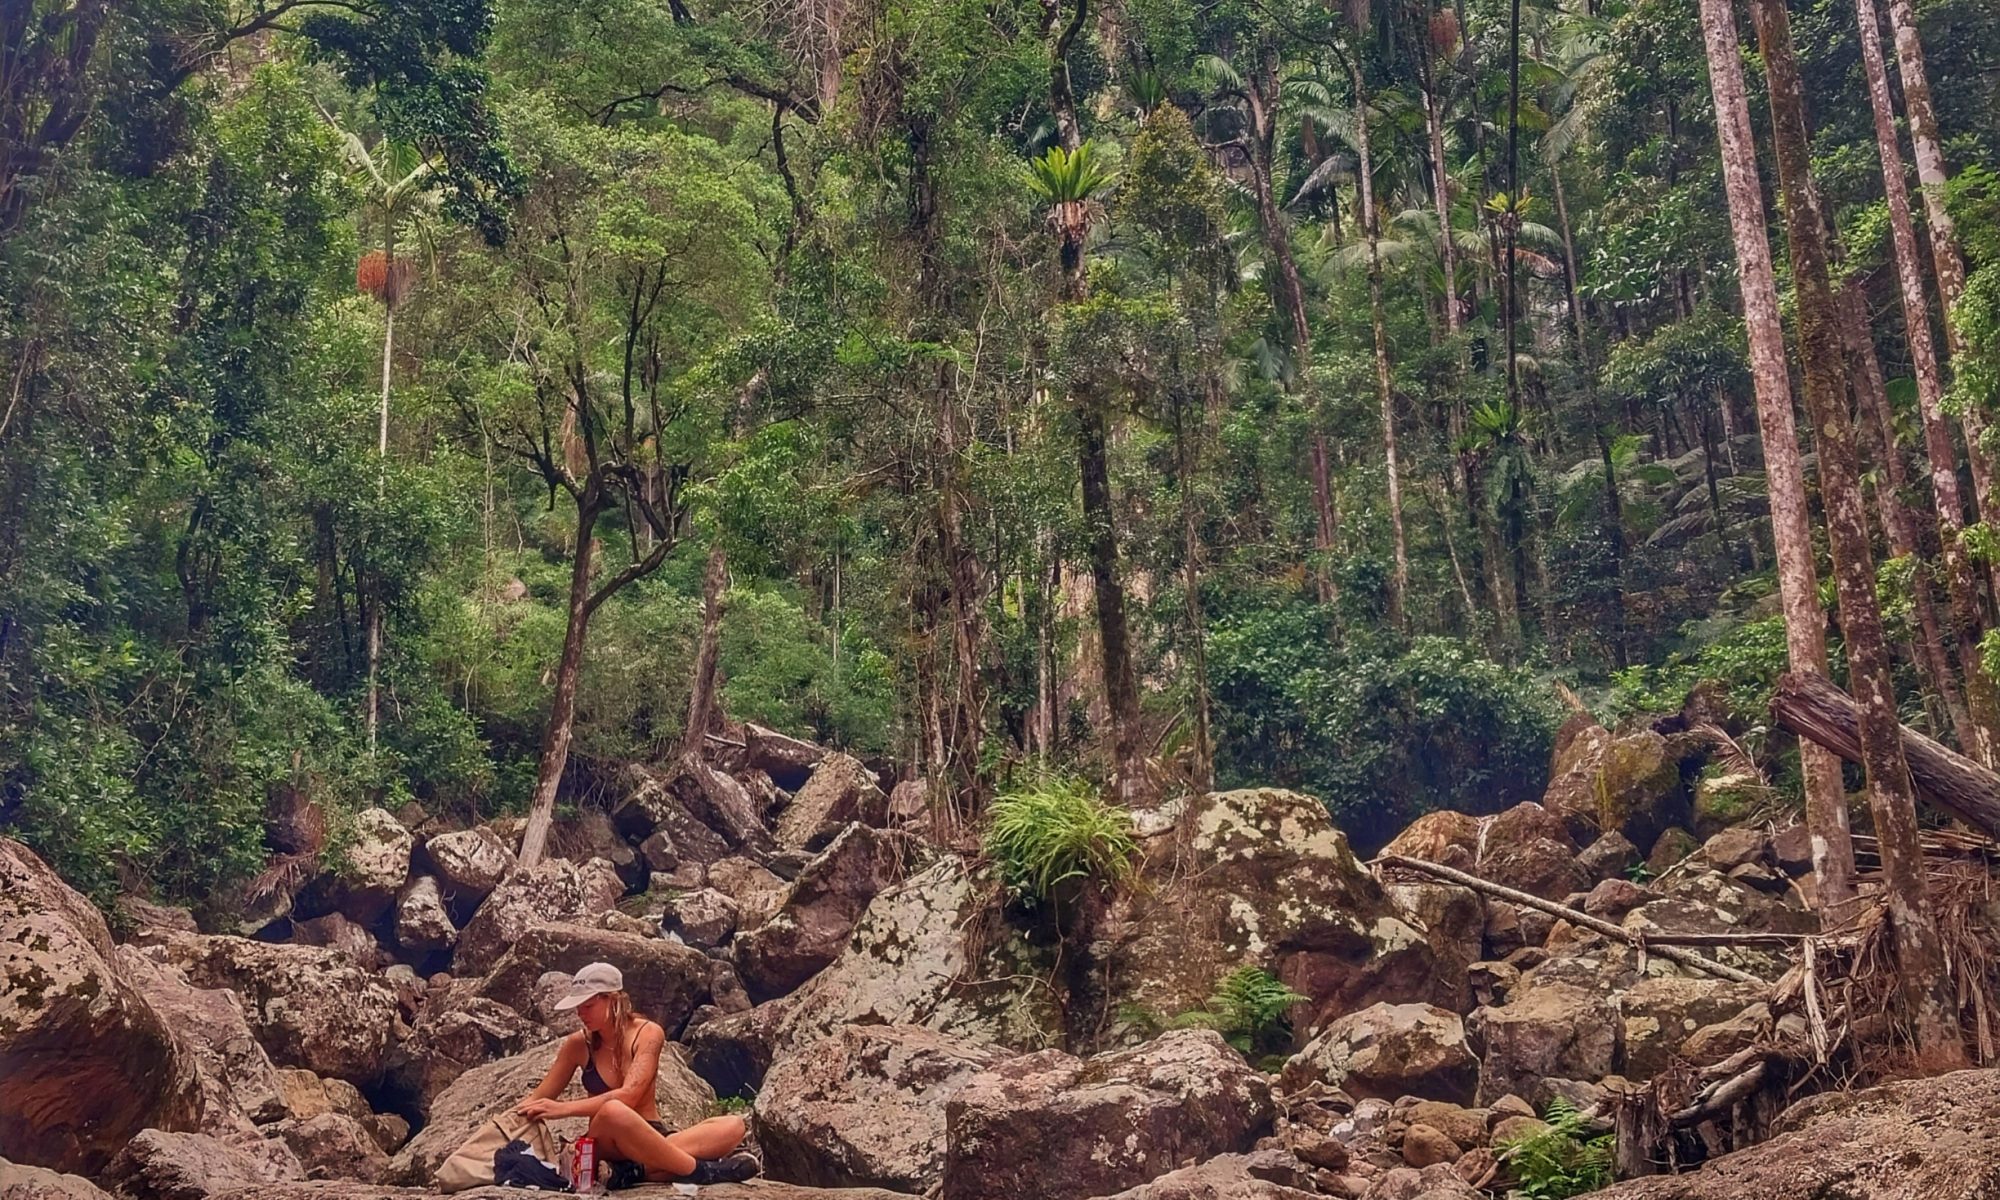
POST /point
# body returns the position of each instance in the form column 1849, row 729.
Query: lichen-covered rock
column 308, row 1095
column 1920, row 1139
column 455, row 1031
column 471, row 862
column 1609, row 857
column 1119, row 1119
column 1389, row 1051
column 841, row 790
column 756, row 891
column 1631, row 784
column 667, row 832
column 458, row 1111
column 338, row 931
column 908, row 963
column 1659, row 1014
column 1260, row 877
column 865, row 1107
column 1548, row 1030
column 423, row 926
column 1444, row 837
column 1669, row 849
column 1452, row 918
column 237, row 1075
column 819, row 912
column 556, row 890
column 85, row 1060
column 788, row 760
column 333, row 1145
column 308, row 1006
column 1528, row 848
column 702, row 918
column 666, row 980
column 376, row 863
column 18, row 1182
column 161, row 1165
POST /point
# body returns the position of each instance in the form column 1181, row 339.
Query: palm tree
column 1071, row 183
column 396, row 181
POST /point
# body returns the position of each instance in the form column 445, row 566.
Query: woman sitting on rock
column 619, row 1053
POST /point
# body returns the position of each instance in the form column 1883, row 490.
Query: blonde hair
column 619, row 1017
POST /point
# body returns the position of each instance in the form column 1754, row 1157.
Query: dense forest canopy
column 441, row 401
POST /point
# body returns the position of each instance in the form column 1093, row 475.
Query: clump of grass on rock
column 1056, row 831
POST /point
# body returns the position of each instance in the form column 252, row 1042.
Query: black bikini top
column 593, row 1082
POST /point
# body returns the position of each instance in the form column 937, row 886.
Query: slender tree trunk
column 562, row 706
column 1323, row 521
column 1891, row 795
column 1191, row 554
column 1441, row 198
column 1981, row 736
column 708, row 651
column 1399, row 576
column 1791, row 531
column 381, row 494
column 1121, row 690
column 1899, row 524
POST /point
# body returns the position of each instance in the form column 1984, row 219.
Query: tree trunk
column 1441, row 198
column 1811, row 707
column 381, row 494
column 1121, row 690
column 562, row 706
column 1891, row 797
column 701, row 695
column 1188, row 455
column 1946, row 255
column 1323, row 521
column 1399, row 576
column 1791, row 531
column 1979, row 735
column 1899, row 524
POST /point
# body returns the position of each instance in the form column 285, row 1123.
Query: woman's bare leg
column 624, row 1134
column 716, row 1137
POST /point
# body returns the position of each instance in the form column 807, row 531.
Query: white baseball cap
column 593, row 980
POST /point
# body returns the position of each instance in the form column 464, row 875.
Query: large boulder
column 1445, row 837
column 1631, row 784
column 1451, row 918
column 160, row 1165
column 841, row 790
column 668, row 833
column 338, row 931
column 85, row 1061
column 666, row 980
column 308, row 1006
column 704, row 917
column 19, row 1182
column 334, row 1145
column 865, row 1107
column 1546, row 1031
column 1261, row 878
column 1659, row 1014
column 455, row 1031
column 556, row 890
column 1050, row 1126
column 824, row 904
column 754, row 889
column 910, row 962
column 376, row 863
column 470, row 862
column 423, row 924
column 754, row 1189
column 720, row 802
column 458, row 1111
column 787, row 760
column 1529, row 848
column 1389, row 1051
column 236, row 1073
column 1920, row 1139
column 590, row 836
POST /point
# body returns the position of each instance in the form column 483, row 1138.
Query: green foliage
column 1045, row 834
column 1060, row 176
column 1251, row 1009
column 1560, row 1161
column 1746, row 661
column 1381, row 734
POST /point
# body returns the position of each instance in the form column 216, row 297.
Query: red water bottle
column 583, row 1169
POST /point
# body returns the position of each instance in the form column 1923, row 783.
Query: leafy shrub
column 1381, row 734
column 1057, row 830
column 1560, row 1161
column 1746, row 661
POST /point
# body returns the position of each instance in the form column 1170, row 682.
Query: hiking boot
column 734, row 1169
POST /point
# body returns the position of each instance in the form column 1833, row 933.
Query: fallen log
column 1577, row 917
column 1813, row 708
